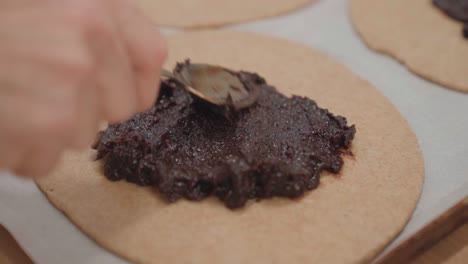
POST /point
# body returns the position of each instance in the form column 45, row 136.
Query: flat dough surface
column 348, row 219
column 419, row 35
column 210, row 13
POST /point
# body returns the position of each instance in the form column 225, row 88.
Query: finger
column 87, row 117
column 39, row 160
column 116, row 84
column 39, row 126
column 146, row 48
column 11, row 153
column 27, row 123
column 6, row 5
column 15, row 132
column 33, row 62
column 114, row 75
column 11, row 148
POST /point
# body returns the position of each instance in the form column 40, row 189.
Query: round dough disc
column 419, row 35
column 349, row 218
column 210, row 13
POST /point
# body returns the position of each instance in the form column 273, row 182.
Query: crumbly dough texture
column 212, row 13
column 419, row 35
column 348, row 219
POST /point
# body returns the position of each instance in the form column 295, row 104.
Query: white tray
column 438, row 117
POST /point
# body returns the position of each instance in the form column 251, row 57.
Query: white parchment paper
column 438, row 116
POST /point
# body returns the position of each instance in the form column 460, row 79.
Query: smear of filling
column 276, row 147
column 456, row 9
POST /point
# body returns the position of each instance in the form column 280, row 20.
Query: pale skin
column 65, row 66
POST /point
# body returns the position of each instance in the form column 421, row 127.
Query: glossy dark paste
column 277, row 147
column 456, row 9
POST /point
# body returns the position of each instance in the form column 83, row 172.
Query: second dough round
column 419, row 35
column 211, row 13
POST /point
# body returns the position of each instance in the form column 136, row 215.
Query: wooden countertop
column 451, row 250
column 10, row 252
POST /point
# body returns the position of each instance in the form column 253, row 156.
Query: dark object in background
column 456, row 9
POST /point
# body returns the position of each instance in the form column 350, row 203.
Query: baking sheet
column 437, row 116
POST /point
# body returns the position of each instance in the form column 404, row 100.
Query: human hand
column 64, row 66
